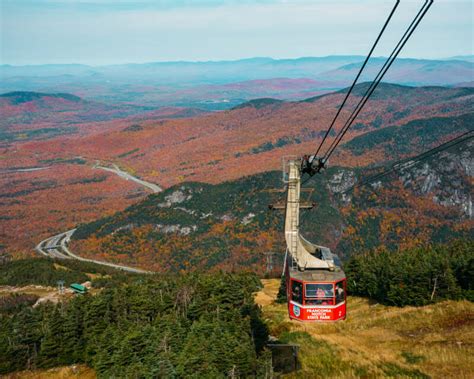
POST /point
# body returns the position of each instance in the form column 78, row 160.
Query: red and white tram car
column 316, row 295
column 315, row 281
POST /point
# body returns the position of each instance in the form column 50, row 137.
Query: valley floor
column 375, row 341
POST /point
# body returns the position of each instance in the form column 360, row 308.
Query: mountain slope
column 194, row 226
column 419, row 72
column 252, row 138
column 397, row 142
column 51, row 185
column 34, row 115
column 31, row 114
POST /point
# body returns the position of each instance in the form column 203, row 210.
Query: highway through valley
column 56, row 247
column 125, row 175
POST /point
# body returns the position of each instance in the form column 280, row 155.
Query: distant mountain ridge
column 217, row 85
column 417, row 72
column 19, row 97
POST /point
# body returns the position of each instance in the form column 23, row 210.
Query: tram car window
column 340, row 293
column 297, row 291
column 319, row 294
column 319, row 290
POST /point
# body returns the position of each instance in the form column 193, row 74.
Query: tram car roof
column 318, row 275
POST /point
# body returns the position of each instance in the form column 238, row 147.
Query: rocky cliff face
column 447, row 178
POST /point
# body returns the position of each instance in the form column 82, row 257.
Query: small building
column 78, row 288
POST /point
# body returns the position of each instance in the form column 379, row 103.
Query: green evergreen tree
column 105, row 351
column 281, row 296
column 96, row 320
column 51, row 345
column 27, row 329
column 73, row 330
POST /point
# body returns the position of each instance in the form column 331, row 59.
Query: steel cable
column 357, row 77
column 401, row 43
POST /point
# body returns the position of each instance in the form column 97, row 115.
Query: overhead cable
column 387, row 21
column 370, row 90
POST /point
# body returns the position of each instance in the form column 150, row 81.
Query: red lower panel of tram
column 317, row 313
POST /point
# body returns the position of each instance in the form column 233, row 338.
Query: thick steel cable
column 357, row 77
column 383, row 70
column 401, row 43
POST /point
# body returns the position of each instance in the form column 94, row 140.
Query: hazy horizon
column 109, row 32
column 455, row 57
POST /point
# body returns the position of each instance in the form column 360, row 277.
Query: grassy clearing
column 40, row 291
column 59, row 267
column 69, row 372
column 378, row 341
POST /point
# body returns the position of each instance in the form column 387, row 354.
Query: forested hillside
column 201, row 226
column 168, row 326
column 417, row 276
column 218, row 325
column 189, row 227
column 34, row 115
column 50, row 185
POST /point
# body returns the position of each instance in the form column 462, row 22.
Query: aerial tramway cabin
column 315, row 295
column 315, row 281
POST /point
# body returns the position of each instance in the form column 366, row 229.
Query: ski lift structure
column 315, row 281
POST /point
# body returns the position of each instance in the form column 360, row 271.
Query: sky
column 99, row 32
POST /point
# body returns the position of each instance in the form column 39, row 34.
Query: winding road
column 56, row 246
column 125, row 175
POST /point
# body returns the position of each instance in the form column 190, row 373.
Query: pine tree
column 106, row 348
column 28, row 335
column 73, row 330
column 281, row 296
column 8, row 359
column 51, row 345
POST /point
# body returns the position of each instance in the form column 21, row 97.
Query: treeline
column 182, row 326
column 47, row 272
column 414, row 276
column 14, row 302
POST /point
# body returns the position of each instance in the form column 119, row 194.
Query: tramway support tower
column 315, row 281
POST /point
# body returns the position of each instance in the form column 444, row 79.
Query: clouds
column 113, row 31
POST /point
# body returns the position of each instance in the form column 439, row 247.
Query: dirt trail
column 268, row 293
